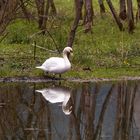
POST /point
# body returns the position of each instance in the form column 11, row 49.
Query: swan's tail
column 38, row 91
column 40, row 67
column 42, row 90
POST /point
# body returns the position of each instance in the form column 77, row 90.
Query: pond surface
column 70, row 111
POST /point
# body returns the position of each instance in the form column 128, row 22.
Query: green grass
column 107, row 52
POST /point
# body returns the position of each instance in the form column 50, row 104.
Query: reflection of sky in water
column 28, row 115
column 107, row 130
column 58, row 118
column 109, row 118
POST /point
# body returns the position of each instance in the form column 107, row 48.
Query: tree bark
column 40, row 4
column 138, row 11
column 45, row 16
column 8, row 11
column 88, row 19
column 43, row 12
column 2, row 3
column 102, row 7
column 78, row 11
column 120, row 25
column 130, row 16
column 122, row 13
column 53, row 8
column 24, row 10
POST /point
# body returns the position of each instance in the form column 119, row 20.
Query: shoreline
column 51, row 79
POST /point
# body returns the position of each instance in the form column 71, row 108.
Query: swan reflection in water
column 58, row 95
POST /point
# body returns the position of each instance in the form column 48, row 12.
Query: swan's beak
column 67, row 111
column 71, row 53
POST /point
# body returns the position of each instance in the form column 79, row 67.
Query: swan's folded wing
column 53, row 62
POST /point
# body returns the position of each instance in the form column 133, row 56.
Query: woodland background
column 103, row 33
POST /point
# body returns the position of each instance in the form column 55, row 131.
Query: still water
column 70, row 111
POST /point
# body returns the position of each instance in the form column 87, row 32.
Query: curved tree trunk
column 102, row 7
column 114, row 13
column 78, row 11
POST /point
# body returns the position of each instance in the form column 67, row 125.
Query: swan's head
column 67, row 109
column 67, row 50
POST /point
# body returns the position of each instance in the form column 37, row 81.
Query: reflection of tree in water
column 22, row 115
column 38, row 118
column 99, row 111
column 85, row 116
column 137, row 110
column 124, row 122
column 88, row 127
column 7, row 112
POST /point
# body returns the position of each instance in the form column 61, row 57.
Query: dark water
column 70, row 111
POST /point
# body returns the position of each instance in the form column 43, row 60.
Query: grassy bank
column 106, row 52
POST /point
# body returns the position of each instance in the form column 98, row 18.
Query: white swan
column 57, row 65
column 57, row 95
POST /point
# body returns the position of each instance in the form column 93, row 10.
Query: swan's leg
column 53, row 76
column 59, row 83
column 46, row 73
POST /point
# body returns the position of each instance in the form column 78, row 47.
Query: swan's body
column 57, row 65
column 57, row 95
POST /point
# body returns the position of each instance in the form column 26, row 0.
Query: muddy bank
column 50, row 79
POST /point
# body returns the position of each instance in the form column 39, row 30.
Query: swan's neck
column 67, row 110
column 66, row 59
column 66, row 99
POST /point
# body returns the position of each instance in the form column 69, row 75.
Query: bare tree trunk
column 120, row 25
column 43, row 12
column 8, row 10
column 130, row 16
column 24, row 9
column 102, row 7
column 138, row 11
column 45, row 17
column 88, row 19
column 88, row 111
column 40, row 9
column 78, row 9
column 2, row 2
column 53, row 8
column 122, row 14
column 124, row 112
